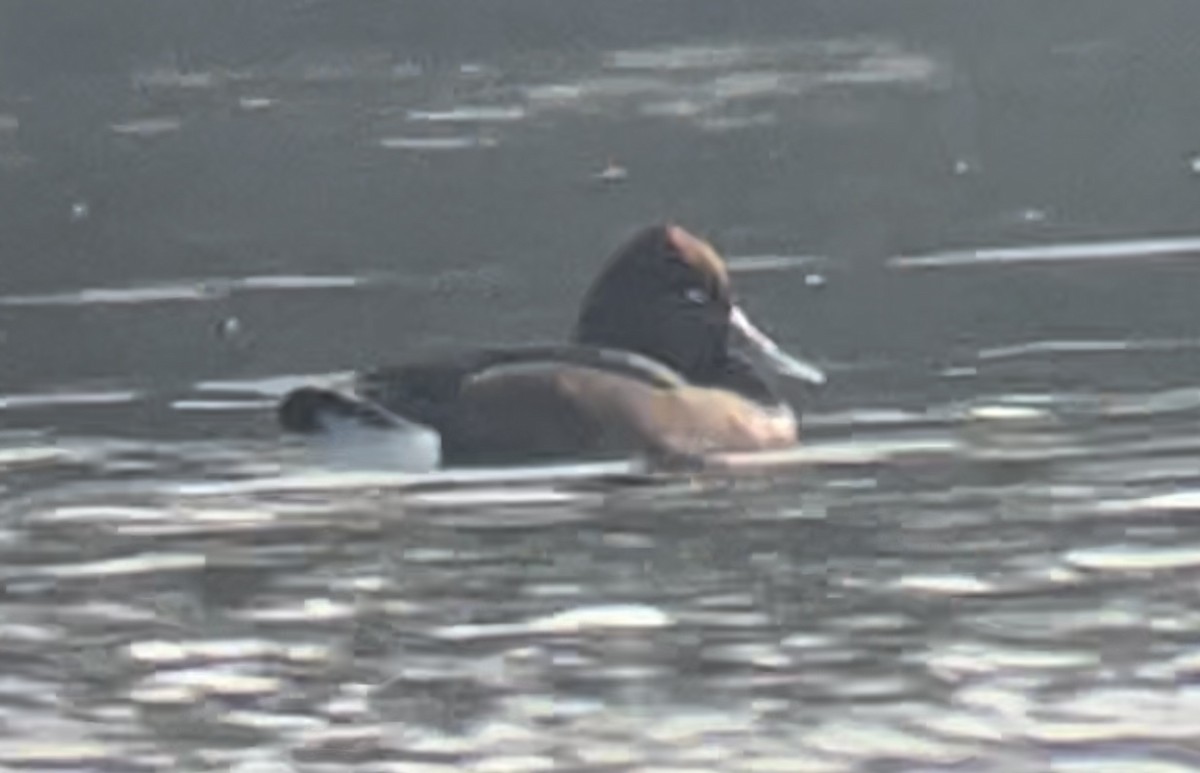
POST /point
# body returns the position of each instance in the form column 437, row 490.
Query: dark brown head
column 666, row 294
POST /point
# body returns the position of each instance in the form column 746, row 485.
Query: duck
column 662, row 364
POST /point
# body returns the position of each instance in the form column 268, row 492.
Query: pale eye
column 696, row 295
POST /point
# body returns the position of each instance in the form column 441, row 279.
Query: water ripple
column 983, row 583
column 1168, row 246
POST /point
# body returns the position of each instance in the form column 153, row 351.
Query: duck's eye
column 696, row 295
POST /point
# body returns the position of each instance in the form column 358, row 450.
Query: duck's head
column 666, row 294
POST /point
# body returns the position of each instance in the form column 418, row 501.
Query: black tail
column 306, row 410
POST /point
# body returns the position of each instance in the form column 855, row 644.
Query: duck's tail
column 315, row 410
column 349, row 432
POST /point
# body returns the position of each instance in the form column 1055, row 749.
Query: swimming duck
column 649, row 370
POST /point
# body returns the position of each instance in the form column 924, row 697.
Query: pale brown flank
column 686, row 420
column 699, row 254
column 611, row 412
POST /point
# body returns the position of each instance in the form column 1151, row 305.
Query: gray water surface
column 982, row 221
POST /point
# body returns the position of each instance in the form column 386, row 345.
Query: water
column 981, row 222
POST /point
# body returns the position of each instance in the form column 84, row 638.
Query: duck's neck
column 716, row 367
column 739, row 375
column 700, row 360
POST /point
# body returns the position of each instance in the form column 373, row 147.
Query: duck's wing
column 427, row 390
column 613, row 361
column 504, row 403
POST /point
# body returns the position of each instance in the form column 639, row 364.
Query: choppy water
column 985, row 559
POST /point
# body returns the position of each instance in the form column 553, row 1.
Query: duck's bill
column 770, row 352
